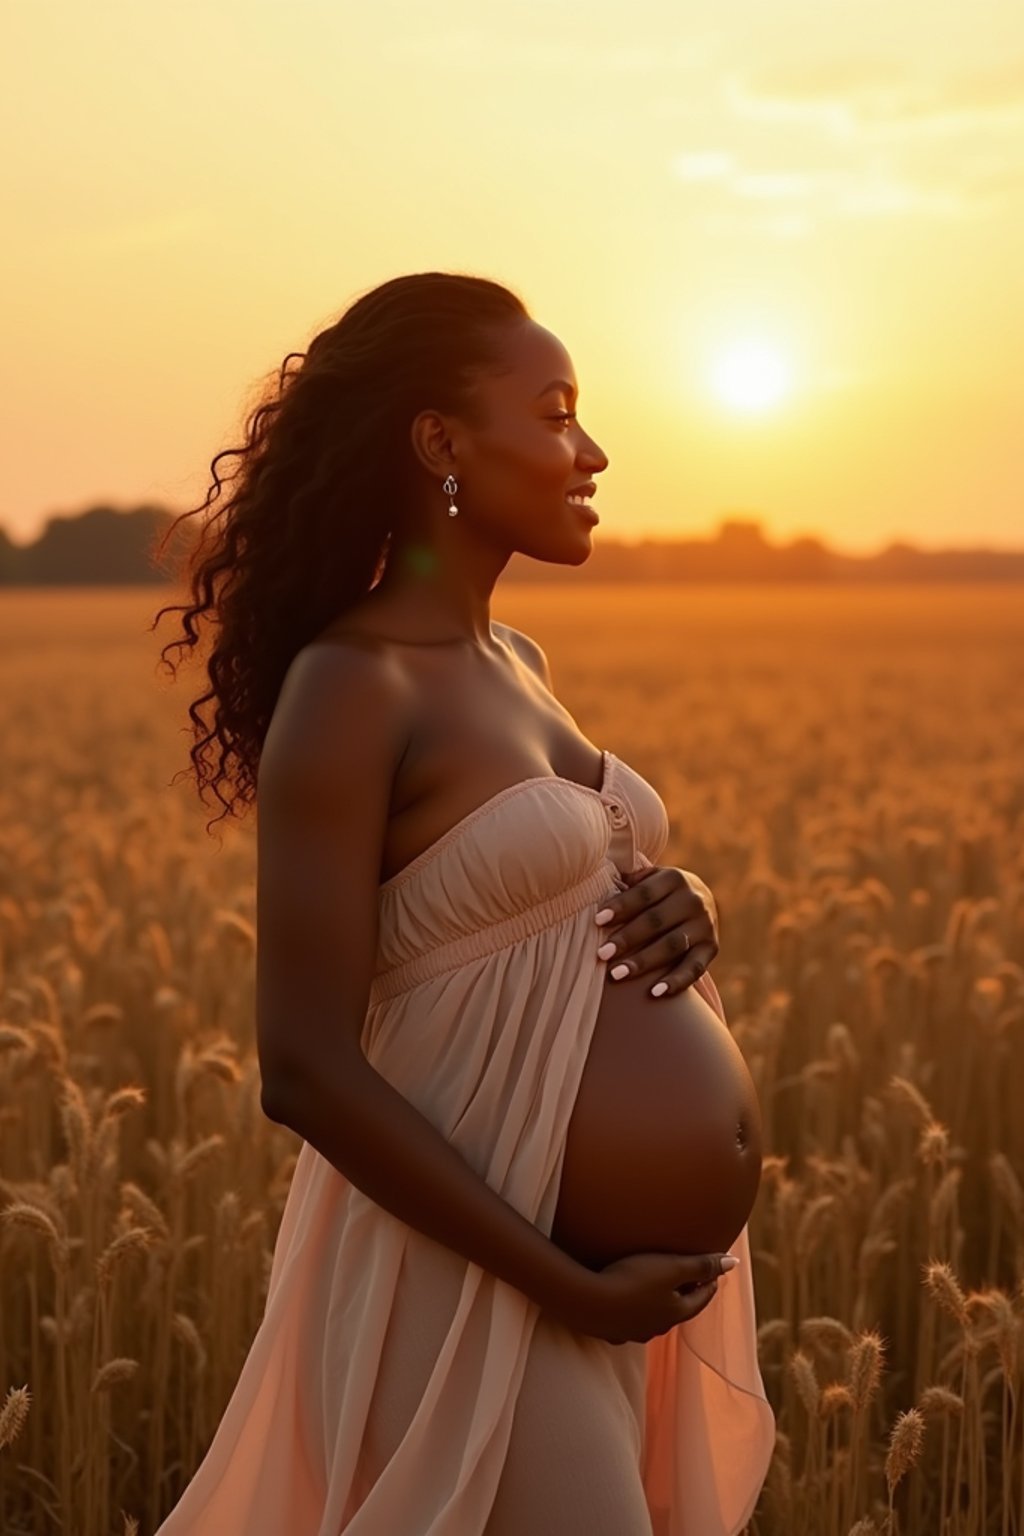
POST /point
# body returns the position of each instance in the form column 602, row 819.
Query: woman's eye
column 565, row 416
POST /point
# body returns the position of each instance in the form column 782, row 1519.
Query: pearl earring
column 451, row 485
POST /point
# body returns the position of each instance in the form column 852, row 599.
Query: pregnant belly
column 663, row 1153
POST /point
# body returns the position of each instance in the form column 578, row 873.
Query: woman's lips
column 584, row 509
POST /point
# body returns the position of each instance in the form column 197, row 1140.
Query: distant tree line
column 103, row 546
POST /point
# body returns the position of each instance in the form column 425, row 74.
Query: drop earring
column 451, row 485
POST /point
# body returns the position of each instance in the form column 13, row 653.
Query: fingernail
column 606, row 951
column 619, row 971
column 659, row 989
column 605, row 915
column 730, row 1261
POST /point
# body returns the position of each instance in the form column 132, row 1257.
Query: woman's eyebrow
column 570, row 389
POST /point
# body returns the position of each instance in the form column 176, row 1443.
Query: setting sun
column 750, row 376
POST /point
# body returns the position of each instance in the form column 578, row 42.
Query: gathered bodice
column 531, row 855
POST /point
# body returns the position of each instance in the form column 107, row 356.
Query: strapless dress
column 379, row 1392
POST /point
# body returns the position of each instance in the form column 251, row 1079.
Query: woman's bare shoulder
column 331, row 689
column 528, row 650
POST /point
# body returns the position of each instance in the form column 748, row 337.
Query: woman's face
column 515, row 472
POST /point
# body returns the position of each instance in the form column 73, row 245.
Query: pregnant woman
column 500, row 1302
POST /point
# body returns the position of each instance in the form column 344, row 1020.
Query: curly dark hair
column 324, row 474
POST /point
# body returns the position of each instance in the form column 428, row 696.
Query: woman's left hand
column 677, row 907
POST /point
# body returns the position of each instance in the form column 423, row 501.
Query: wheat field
column 844, row 767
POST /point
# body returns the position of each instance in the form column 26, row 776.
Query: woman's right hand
column 646, row 1294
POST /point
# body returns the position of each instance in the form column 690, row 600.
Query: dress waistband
column 494, row 936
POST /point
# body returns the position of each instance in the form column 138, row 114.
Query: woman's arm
column 325, row 776
column 384, row 1146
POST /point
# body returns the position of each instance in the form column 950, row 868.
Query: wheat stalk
column 13, row 1414
column 905, row 1443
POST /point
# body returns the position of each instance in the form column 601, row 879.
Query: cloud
column 903, row 157
column 860, row 192
column 873, row 97
column 881, row 196
column 702, row 165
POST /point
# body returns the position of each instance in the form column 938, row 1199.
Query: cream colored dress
column 395, row 1389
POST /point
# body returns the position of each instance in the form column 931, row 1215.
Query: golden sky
column 783, row 243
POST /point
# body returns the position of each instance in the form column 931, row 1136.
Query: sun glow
column 751, row 375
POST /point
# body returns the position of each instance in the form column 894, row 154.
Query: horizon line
column 628, row 538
